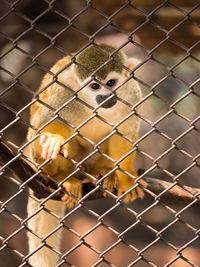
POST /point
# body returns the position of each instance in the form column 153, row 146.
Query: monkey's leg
column 41, row 225
column 110, row 181
column 118, row 148
column 103, row 167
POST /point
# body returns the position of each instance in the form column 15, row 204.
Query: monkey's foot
column 124, row 186
column 110, row 182
column 51, row 145
column 74, row 187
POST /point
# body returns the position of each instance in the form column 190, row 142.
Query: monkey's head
column 99, row 70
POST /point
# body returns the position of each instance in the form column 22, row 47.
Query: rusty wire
column 137, row 215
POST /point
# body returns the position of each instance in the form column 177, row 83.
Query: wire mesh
column 164, row 37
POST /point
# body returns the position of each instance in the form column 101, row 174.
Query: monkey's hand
column 74, row 187
column 110, row 182
column 51, row 145
column 126, row 183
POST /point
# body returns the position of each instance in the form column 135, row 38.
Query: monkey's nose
column 109, row 103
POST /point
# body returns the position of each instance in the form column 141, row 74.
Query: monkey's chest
column 94, row 130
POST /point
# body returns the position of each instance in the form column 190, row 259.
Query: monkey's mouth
column 109, row 103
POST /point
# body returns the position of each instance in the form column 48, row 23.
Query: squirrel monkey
column 75, row 112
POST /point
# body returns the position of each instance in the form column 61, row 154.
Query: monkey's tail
column 44, row 235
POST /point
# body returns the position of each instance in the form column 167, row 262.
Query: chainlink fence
column 164, row 37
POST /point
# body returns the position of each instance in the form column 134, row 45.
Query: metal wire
column 152, row 234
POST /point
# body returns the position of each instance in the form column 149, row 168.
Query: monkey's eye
column 111, row 83
column 95, row 86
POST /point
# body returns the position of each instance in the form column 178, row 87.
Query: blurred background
column 164, row 37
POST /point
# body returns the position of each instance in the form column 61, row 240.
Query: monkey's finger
column 65, row 152
column 45, row 148
column 129, row 197
column 54, row 149
column 48, row 147
column 43, row 139
column 140, row 192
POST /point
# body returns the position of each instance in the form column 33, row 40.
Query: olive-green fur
column 93, row 57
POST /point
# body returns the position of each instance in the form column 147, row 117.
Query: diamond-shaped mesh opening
column 180, row 157
column 60, row 22
column 171, row 46
column 166, row 125
column 62, row 41
column 161, row 248
column 185, row 67
column 34, row 12
column 125, row 254
column 150, row 43
column 70, row 9
column 170, row 89
column 95, row 15
column 5, row 8
column 146, row 5
column 184, row 27
column 168, row 11
column 194, row 13
column 192, row 101
column 160, row 72
column 158, row 106
column 8, row 28
column 179, row 234
column 110, row 8
column 128, row 13
column 80, row 207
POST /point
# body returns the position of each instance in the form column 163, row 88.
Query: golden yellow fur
column 69, row 129
column 75, row 113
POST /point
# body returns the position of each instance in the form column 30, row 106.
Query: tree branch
column 43, row 187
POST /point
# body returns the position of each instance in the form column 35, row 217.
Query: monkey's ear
column 131, row 63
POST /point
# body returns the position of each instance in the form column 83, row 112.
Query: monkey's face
column 101, row 93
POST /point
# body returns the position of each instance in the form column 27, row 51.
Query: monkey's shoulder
column 49, row 89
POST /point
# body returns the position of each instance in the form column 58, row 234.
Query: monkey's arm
column 55, row 102
column 51, row 147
